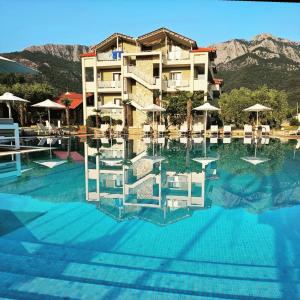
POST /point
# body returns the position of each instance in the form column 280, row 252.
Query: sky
column 87, row 22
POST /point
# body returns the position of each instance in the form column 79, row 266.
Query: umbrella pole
column 49, row 116
column 9, row 110
column 205, row 124
column 152, row 119
column 256, row 118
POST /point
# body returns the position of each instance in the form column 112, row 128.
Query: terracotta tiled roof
column 89, row 54
column 75, row 97
column 209, row 49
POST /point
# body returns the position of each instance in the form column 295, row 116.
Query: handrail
column 142, row 75
column 109, row 84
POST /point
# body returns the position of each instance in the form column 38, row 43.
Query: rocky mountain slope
column 263, row 60
column 68, row 52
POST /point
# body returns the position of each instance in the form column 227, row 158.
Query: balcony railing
column 176, row 83
column 178, row 55
column 109, row 56
column 109, row 84
column 141, row 74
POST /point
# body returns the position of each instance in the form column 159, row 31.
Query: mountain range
column 265, row 59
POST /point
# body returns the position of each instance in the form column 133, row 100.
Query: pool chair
column 147, row 129
column 41, row 129
column 54, row 129
column 198, row 129
column 161, row 129
column 147, row 140
column 226, row 140
column 161, row 140
column 183, row 129
column 119, row 140
column 265, row 140
column 42, row 142
column 119, row 130
column 265, row 129
column 213, row 140
column 214, row 130
column 104, row 141
column 248, row 130
column 227, row 130
column 198, row 140
column 183, row 140
column 247, row 140
column 104, row 128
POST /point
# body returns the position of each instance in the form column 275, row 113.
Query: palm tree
column 67, row 103
column 97, row 111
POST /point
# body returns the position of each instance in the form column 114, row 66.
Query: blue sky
column 35, row 22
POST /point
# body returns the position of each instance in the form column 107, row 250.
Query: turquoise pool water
column 145, row 219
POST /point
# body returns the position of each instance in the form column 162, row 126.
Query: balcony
column 178, row 55
column 109, row 58
column 171, row 85
column 109, row 86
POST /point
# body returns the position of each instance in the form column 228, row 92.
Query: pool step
column 23, row 286
column 142, row 273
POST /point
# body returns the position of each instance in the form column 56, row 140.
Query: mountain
column 68, row 52
column 263, row 60
column 59, row 64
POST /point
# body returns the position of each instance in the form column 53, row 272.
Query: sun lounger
column 226, row 140
column 183, row 140
column 147, row 140
column 161, row 140
column 183, row 129
column 147, row 129
column 198, row 129
column 265, row 129
column 265, row 140
column 213, row 140
column 54, row 129
column 119, row 129
column 227, row 130
column 248, row 130
column 198, row 140
column 41, row 129
column 247, row 140
column 214, row 129
column 161, row 129
column 104, row 128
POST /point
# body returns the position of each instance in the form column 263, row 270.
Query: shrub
column 294, row 122
column 91, row 121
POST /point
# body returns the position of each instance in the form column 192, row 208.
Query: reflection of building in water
column 11, row 167
column 127, row 184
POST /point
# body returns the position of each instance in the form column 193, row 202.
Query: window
column 116, row 76
column 89, row 74
column 117, row 101
column 90, row 101
column 175, row 75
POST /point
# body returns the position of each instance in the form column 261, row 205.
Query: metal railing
column 142, row 75
column 178, row 55
column 109, row 56
column 176, row 83
column 109, row 84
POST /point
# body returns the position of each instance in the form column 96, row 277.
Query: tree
column 67, row 103
column 97, row 111
column 179, row 106
column 125, row 113
column 233, row 103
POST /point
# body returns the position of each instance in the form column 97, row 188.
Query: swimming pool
column 151, row 219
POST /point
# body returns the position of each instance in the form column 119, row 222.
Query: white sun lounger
column 248, row 130
column 227, row 130
column 161, row 129
column 198, row 129
column 265, row 129
column 183, row 129
column 214, row 129
column 147, row 129
column 104, row 128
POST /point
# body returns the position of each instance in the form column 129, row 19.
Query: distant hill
column 263, row 60
column 59, row 64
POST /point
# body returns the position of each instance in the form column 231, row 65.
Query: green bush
column 91, row 121
column 294, row 122
column 106, row 120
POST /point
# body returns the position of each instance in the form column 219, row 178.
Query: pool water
column 151, row 219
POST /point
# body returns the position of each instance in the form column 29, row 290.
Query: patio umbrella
column 153, row 108
column 257, row 108
column 110, row 106
column 10, row 66
column 9, row 98
column 254, row 160
column 206, row 107
column 50, row 164
column 49, row 104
